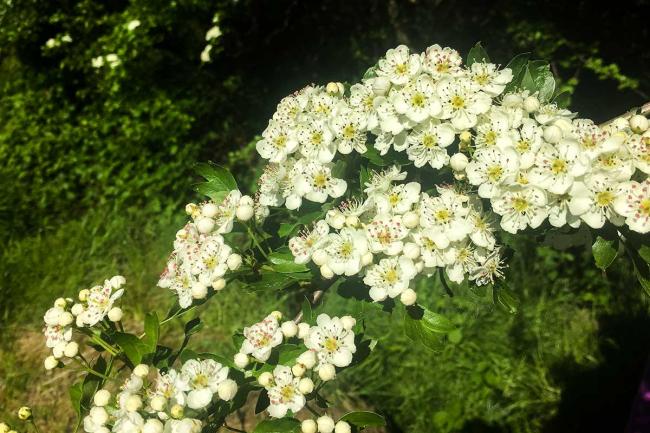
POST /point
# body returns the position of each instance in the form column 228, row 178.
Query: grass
column 574, row 348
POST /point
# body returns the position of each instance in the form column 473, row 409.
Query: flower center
column 443, row 215
column 490, row 138
column 348, row 132
column 320, row 180
column 331, row 344
column 520, row 204
column 346, row 249
column 457, row 102
column 644, row 207
column 287, row 392
column 280, row 141
column 401, row 68
column 384, row 237
column 200, row 381
column 604, row 198
column 559, row 166
column 391, row 276
column 317, row 138
column 523, row 145
column 442, row 67
column 417, row 100
column 429, row 141
column 482, row 79
column 393, row 199
column 494, row 173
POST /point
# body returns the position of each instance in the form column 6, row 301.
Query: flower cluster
column 211, row 37
column 153, row 402
column 398, row 232
column 329, row 345
column 201, row 256
column 95, row 305
column 324, row 424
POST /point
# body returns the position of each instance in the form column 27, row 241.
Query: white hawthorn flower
column 390, row 277
column 618, row 165
column 418, row 100
column 434, row 248
column 489, row 79
column 261, row 338
column 527, row 141
column 639, row 149
column 284, row 393
column 557, row 166
column 362, row 101
column 488, row 269
column 349, row 127
column 212, row 262
column 128, row 423
column 520, row 208
column 427, row 144
column 277, row 142
column 100, row 301
column 398, row 65
column 385, row 233
column 633, row 202
column 304, row 245
column 317, row 183
column 494, row 129
column 171, row 387
column 591, row 138
column 593, row 201
column 447, row 213
column 203, row 378
column 381, row 182
column 547, row 114
column 332, row 342
column 463, row 261
column 441, row 62
column 316, row 141
column 226, row 212
column 185, row 425
column 461, row 103
column 345, row 250
column 482, row 233
column 399, row 199
column 492, row 167
column 321, row 104
column 559, row 211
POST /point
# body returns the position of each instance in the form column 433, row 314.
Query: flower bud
column 191, row 209
column 458, row 161
column 277, row 315
column 380, row 86
column 102, row 397
column 158, row 403
column 141, row 370
column 115, row 314
column 209, row 210
column 77, row 309
column 411, row 219
column 335, row 88
column 60, row 302
column 352, row 221
column 265, row 379
column 133, row 403
column 25, row 413
column 241, row 360
column 66, row 319
column 4, row 428
column 326, row 272
column 306, row 385
column 531, row 104
column 411, row 250
column 99, row 415
column 342, row 427
column 553, row 134
column 308, row 359
column 408, row 297
column 71, row 349
column 366, row 259
column 564, row 124
column 325, row 424
column 244, row 213
column 639, row 124
column 326, row 372
column 348, row 322
column 289, row 329
column 303, row 330
column 465, row 136
column 308, row 426
column 176, row 411
column 83, row 295
column 319, row 257
column 58, row 350
column 335, row 219
column 234, row 262
column 117, row 281
column 152, row 425
column 219, row 284
column 227, row 390
column 205, row 225
column 199, row 291
column 50, row 363
column 512, row 100
column 298, row 370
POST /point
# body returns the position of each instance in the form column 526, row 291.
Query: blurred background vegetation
column 96, row 163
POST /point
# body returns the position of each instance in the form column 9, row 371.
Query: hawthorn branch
column 644, row 110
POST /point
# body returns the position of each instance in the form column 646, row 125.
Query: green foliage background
column 96, row 163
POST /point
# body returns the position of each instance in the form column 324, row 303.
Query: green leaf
column 364, row 176
column 151, row 331
column 644, row 252
column 364, row 419
column 193, row 326
column 504, row 298
column 272, row 280
column 281, row 425
column 188, row 354
column 373, row 156
column 518, row 67
column 562, row 100
column 283, row 262
column 604, row 252
column 528, row 82
column 288, row 228
column 132, row 346
column 477, row 54
column 262, row 402
column 219, row 181
column 426, row 327
column 76, row 392
column 307, row 316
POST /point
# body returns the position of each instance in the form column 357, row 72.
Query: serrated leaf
column 364, row 419
column 216, row 175
column 307, row 316
column 281, row 425
column 283, row 262
column 76, row 392
column 288, row 228
column 132, row 346
column 477, row 54
column 604, row 252
column 262, row 402
column 562, row 100
column 426, row 327
column 518, row 67
column 505, row 299
column 527, row 81
column 151, row 331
